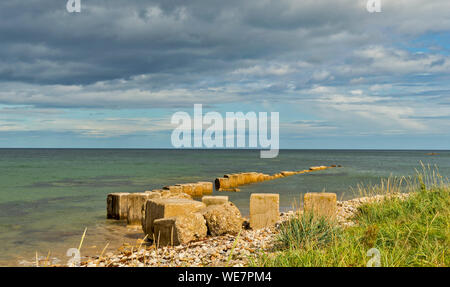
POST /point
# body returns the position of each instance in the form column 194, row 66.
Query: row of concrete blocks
column 197, row 189
column 172, row 221
column 230, row 182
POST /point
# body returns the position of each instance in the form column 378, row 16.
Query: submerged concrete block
column 253, row 177
column 315, row 168
column 264, row 209
column 214, row 200
column 320, row 204
column 222, row 183
column 287, row 173
column 156, row 190
column 180, row 229
column 173, row 188
column 260, row 177
column 116, row 205
column 207, row 187
column 186, row 188
column 233, row 179
column 197, row 189
column 240, row 179
column 168, row 194
column 167, row 207
column 247, row 177
column 136, row 206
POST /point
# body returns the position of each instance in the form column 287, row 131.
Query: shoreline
column 217, row 251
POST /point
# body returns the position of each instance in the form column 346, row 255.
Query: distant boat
column 432, row 153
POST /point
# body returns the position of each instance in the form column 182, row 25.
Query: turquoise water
column 49, row 196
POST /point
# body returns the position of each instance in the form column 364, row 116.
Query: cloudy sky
column 113, row 75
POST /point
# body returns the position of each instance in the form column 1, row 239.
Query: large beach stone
column 223, row 219
column 214, row 200
column 116, row 205
column 320, row 204
column 179, row 229
column 135, row 206
column 264, row 209
column 167, row 207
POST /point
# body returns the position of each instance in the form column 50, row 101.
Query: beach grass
column 405, row 232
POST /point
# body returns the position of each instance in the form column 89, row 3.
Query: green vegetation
column 409, row 232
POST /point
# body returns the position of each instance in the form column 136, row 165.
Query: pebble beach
column 217, row 251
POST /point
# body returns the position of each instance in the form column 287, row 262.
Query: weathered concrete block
column 320, row 204
column 136, row 204
column 167, row 207
column 214, row 200
column 260, row 177
column 233, row 179
column 186, row 188
column 173, row 188
column 240, row 179
column 223, row 219
column 314, row 168
column 197, row 189
column 253, row 177
column 180, row 229
column 168, row 194
column 207, row 187
column 264, row 209
column 116, row 205
column 157, row 190
column 287, row 173
column 247, row 177
column 222, row 183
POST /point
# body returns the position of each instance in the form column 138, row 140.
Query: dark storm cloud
column 43, row 43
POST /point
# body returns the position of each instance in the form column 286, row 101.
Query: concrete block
column 136, row 206
column 197, row 189
column 260, row 177
column 157, row 190
column 264, row 209
column 167, row 207
column 173, row 188
column 233, row 179
column 222, row 183
column 320, row 204
column 240, row 179
column 214, row 200
column 116, row 205
column 207, row 187
column 253, row 177
column 179, row 229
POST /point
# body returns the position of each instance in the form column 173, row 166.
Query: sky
column 113, row 75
